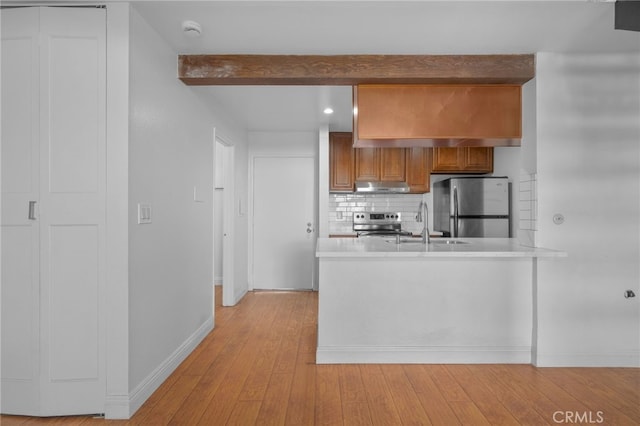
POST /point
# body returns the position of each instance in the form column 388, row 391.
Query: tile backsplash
column 528, row 208
column 343, row 205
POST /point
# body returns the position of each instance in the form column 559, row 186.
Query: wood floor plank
column 446, row 384
column 381, row 405
column 171, row 402
column 258, row 380
column 355, row 408
column 491, row 408
column 517, row 406
column 522, row 383
column 328, row 403
column 270, row 335
column 244, row 413
column 197, row 402
column 469, row 414
column 273, row 410
column 436, row 407
column 404, row 396
column 301, row 409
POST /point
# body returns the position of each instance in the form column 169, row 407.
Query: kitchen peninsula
column 465, row 300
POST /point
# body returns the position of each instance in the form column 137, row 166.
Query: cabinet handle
column 32, row 210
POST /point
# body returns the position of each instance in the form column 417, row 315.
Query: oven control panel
column 376, row 217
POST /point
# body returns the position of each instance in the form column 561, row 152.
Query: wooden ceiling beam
column 348, row 70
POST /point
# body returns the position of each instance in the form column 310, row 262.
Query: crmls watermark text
column 569, row 417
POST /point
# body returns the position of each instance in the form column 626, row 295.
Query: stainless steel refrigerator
column 472, row 207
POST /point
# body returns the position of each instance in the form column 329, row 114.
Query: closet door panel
column 19, row 235
column 73, row 191
column 73, row 302
column 74, row 114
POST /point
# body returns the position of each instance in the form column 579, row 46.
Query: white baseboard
column 125, row 406
column 423, row 355
column 620, row 359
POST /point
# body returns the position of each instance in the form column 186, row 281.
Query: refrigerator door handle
column 455, row 212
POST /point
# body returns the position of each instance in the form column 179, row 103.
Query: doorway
column 283, row 223
column 223, row 219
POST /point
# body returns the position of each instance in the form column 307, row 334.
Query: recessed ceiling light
column 328, row 110
column 191, row 29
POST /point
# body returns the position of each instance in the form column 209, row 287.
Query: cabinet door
column 367, row 164
column 340, row 162
column 478, row 159
column 418, row 162
column 446, row 160
column 392, row 164
column 462, row 160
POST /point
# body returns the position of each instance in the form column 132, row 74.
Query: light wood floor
column 257, row 367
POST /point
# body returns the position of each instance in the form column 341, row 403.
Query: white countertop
column 471, row 247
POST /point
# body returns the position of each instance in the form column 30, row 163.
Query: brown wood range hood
column 399, row 100
column 437, row 115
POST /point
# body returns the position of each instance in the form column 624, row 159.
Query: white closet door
column 72, row 248
column 20, row 235
column 70, row 181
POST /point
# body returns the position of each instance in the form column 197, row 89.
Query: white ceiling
column 371, row 27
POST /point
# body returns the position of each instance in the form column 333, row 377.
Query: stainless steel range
column 378, row 224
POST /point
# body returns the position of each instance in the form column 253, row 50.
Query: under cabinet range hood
column 382, row 187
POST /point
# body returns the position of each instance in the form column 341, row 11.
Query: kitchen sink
column 419, row 241
column 406, row 241
column 438, row 241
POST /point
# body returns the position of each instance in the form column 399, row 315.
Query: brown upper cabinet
column 380, row 164
column 348, row 164
column 418, row 169
column 462, row 160
column 405, row 115
column 341, row 160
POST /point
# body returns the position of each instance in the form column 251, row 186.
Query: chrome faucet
column 423, row 216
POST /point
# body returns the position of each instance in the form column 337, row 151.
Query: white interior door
column 20, row 235
column 63, row 236
column 283, row 222
column 224, row 241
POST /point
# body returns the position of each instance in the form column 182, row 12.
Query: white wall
column 588, row 161
column 171, row 259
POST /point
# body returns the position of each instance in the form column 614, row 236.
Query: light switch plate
column 144, row 213
column 197, row 195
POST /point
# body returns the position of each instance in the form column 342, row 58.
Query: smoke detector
column 191, row 29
